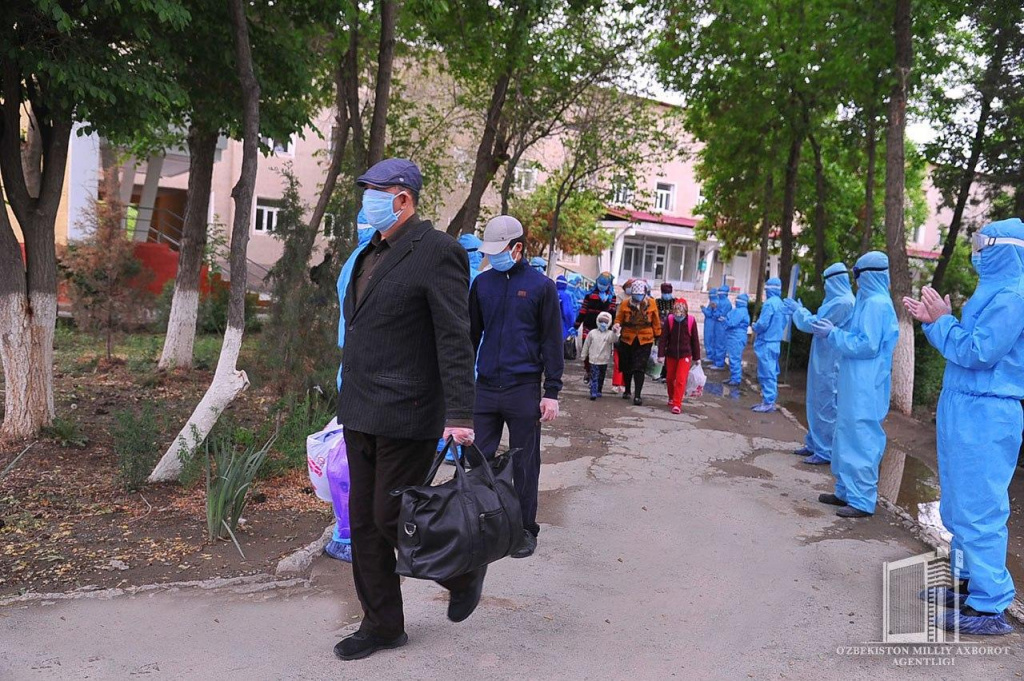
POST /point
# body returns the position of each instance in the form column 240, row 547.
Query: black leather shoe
column 528, row 546
column 360, row 645
column 461, row 604
column 638, row 401
column 851, row 512
column 831, row 499
column 626, row 396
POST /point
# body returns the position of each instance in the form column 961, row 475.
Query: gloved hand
column 822, row 328
column 572, row 333
column 463, row 436
column 792, row 305
column 721, row 319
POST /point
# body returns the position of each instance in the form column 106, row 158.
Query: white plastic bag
column 318, row 449
column 695, row 381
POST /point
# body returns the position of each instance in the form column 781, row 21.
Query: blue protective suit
column 710, row 324
column 769, row 329
column 865, row 348
column 539, row 264
column 736, row 324
column 823, row 367
column 565, row 302
column 724, row 308
column 364, row 235
column 472, row 243
column 979, row 418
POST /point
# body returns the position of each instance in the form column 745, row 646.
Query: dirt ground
column 66, row 521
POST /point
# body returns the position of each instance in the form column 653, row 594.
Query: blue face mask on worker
column 503, row 261
column 379, row 207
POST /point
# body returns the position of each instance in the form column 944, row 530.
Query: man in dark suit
column 407, row 378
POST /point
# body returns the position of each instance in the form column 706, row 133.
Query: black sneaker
column 461, row 604
column 831, row 499
column 627, row 396
column 528, row 547
column 638, row 401
column 360, row 645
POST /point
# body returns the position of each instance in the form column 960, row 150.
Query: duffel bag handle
column 459, row 467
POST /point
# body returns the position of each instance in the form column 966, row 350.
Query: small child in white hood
column 598, row 348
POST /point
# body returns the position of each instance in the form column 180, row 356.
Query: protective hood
column 872, row 282
column 361, row 218
column 742, row 300
column 561, row 283
column 1002, row 261
column 538, row 263
column 365, row 234
column 837, row 281
column 773, row 288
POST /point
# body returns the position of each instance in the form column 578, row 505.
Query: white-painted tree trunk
column 228, row 383
column 181, row 330
column 903, row 370
column 26, row 348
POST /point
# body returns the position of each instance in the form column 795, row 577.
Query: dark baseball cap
column 393, row 172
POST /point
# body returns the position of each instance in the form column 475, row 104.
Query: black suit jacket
column 408, row 366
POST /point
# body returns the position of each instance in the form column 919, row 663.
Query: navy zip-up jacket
column 515, row 323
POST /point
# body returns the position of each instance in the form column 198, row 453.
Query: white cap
column 499, row 232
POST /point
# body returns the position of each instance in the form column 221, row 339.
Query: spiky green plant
column 229, row 476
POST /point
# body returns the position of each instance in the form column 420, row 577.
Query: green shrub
column 929, row 366
column 135, row 443
column 66, row 433
column 229, row 476
column 295, row 419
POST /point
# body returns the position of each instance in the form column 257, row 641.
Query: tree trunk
column 487, row 162
column 789, row 207
column 867, row 229
column 228, row 381
column 895, row 188
column 553, row 237
column 992, row 73
column 382, row 92
column 28, row 287
column 820, row 245
column 766, row 223
column 352, row 85
column 181, row 326
column 340, row 140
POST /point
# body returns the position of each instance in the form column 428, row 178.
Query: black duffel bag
column 458, row 526
column 569, row 350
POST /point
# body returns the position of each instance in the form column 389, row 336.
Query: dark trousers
column 377, row 465
column 633, row 362
column 519, row 407
column 597, row 376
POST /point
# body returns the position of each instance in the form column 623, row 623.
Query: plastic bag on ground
column 695, row 381
column 318, row 449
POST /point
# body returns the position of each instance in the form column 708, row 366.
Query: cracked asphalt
column 686, row 547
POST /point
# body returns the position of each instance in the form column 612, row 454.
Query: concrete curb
column 240, row 585
column 300, row 560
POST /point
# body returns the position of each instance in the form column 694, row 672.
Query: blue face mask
column 637, row 297
column 666, row 296
column 503, row 261
column 602, row 326
column 379, row 207
column 603, row 288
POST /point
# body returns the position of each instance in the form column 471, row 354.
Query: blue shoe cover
column 943, row 596
column 977, row 625
column 803, row 451
column 763, row 408
column 815, row 460
column 339, row 551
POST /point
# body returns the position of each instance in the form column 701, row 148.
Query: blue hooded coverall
column 823, row 367
column 711, row 324
column 566, row 304
column 736, row 324
column 472, row 243
column 724, row 308
column 979, row 419
column 769, row 330
column 865, row 379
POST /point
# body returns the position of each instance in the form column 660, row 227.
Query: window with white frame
column 524, row 179
column 665, row 197
column 918, row 236
column 267, row 211
column 622, row 192
column 284, row 147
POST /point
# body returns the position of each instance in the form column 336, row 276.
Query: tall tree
column 228, row 380
column 61, row 63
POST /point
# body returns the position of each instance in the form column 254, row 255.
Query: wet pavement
column 687, row 546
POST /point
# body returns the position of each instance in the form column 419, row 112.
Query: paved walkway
column 672, row 547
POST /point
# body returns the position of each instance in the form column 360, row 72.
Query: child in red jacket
column 678, row 348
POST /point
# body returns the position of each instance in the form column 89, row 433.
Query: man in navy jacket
column 516, row 326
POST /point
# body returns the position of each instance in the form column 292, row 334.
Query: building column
column 709, row 258
column 154, row 166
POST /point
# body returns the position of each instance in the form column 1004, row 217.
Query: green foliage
column 295, row 419
column 67, row 433
column 579, row 228
column 135, row 436
column 212, row 315
column 230, row 471
column 929, row 367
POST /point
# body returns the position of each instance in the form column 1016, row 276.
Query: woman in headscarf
column 641, row 325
